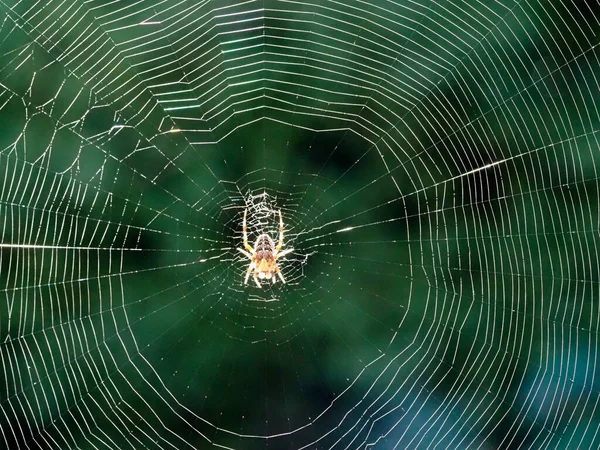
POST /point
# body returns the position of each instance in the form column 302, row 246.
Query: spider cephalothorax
column 263, row 257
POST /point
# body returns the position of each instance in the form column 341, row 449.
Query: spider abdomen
column 264, row 247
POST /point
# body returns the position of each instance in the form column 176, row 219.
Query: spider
column 263, row 257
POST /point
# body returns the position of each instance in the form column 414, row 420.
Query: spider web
column 435, row 167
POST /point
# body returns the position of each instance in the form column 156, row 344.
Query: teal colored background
column 435, row 166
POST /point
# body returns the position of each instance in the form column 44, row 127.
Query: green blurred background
column 435, row 166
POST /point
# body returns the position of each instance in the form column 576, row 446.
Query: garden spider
column 263, row 257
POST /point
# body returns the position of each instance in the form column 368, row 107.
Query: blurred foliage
column 435, row 165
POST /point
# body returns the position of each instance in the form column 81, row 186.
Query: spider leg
column 283, row 253
column 280, row 241
column 246, row 246
column 250, row 267
column 280, row 275
column 256, row 280
column 248, row 255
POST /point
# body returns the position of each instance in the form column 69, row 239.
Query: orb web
column 435, row 167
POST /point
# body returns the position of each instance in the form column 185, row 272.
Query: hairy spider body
column 263, row 256
column 264, row 248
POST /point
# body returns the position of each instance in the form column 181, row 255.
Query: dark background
column 435, row 164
